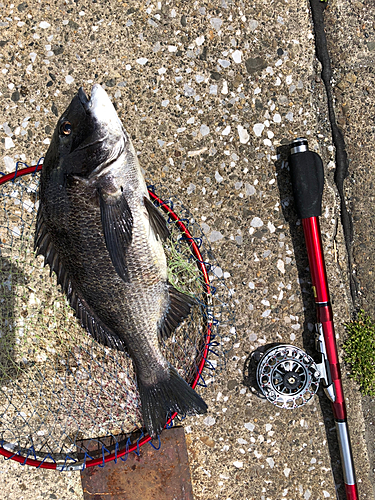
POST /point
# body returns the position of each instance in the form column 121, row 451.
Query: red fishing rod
column 308, row 179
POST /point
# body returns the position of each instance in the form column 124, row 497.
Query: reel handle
column 307, row 175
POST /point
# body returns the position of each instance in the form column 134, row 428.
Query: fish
column 102, row 236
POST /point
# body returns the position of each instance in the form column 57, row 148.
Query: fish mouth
column 98, row 98
column 85, row 101
column 109, row 131
column 100, row 107
column 98, row 95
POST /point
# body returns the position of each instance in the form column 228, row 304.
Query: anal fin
column 179, row 308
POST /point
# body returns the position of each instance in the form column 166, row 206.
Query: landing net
column 65, row 400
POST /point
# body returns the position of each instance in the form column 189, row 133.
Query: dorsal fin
column 89, row 320
column 178, row 309
column 94, row 326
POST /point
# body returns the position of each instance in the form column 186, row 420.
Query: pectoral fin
column 117, row 223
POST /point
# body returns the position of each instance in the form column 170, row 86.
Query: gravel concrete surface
column 209, row 91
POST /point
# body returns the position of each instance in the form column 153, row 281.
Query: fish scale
column 101, row 235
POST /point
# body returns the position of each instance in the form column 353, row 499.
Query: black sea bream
column 101, row 235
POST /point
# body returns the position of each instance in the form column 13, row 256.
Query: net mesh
column 59, row 386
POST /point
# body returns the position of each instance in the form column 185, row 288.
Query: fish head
column 89, row 135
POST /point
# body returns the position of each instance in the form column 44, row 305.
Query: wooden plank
column 162, row 474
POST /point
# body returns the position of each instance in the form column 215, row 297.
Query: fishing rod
column 307, row 176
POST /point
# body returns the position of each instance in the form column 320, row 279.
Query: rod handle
column 307, row 176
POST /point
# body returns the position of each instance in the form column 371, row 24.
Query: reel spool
column 287, row 376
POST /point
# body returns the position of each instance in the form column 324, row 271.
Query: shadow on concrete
column 250, row 368
column 10, row 276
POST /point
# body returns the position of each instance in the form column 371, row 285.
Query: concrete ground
column 209, row 91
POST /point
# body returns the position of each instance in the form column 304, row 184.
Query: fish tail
column 170, row 395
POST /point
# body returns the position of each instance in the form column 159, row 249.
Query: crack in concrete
column 342, row 164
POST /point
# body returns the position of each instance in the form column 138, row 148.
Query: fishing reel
column 288, row 377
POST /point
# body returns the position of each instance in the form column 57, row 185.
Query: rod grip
column 307, row 174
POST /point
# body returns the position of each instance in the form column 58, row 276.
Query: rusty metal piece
column 162, row 474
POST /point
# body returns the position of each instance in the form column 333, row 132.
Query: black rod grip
column 307, row 173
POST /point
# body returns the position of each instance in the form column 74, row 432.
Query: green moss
column 360, row 352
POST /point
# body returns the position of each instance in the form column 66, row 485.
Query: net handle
column 146, row 439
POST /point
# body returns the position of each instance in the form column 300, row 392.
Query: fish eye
column 66, row 128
